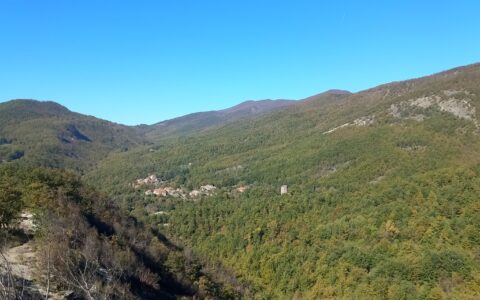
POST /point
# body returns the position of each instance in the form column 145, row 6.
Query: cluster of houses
column 153, row 181
column 166, row 191
column 149, row 180
column 204, row 190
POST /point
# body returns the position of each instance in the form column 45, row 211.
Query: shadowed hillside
column 70, row 242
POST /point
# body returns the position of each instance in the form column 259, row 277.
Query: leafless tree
column 7, row 280
column 47, row 290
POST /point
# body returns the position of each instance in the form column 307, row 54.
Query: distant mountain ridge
column 24, row 109
column 382, row 184
column 48, row 134
column 43, row 130
column 196, row 122
column 199, row 121
column 382, row 198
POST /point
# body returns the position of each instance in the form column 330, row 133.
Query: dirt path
column 22, row 260
column 23, row 264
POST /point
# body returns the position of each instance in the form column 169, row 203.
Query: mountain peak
column 337, row 92
column 35, row 107
column 257, row 106
column 195, row 122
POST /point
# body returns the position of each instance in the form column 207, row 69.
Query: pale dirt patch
column 395, row 111
column 450, row 93
column 461, row 108
column 336, row 128
column 362, row 121
column 26, row 223
column 23, row 262
column 424, row 102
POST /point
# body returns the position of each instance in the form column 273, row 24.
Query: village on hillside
column 152, row 186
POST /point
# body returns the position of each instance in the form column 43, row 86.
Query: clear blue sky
column 145, row 61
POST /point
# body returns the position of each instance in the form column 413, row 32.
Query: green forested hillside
column 200, row 121
column 382, row 202
column 48, row 134
column 382, row 196
column 82, row 243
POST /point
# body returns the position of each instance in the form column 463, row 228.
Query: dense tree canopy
column 382, row 198
column 386, row 210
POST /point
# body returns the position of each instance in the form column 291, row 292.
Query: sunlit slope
column 48, row 134
column 383, row 193
column 328, row 131
column 200, row 121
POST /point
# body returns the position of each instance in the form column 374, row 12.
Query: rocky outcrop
column 456, row 103
column 362, row 121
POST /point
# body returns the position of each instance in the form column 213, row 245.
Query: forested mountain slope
column 290, row 141
column 48, row 134
column 196, row 122
column 80, row 245
column 382, row 195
